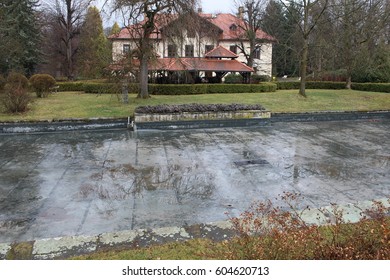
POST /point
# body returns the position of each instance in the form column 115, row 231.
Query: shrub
column 312, row 85
column 15, row 98
column 42, row 84
column 102, row 88
column 255, row 79
column 17, row 80
column 267, row 232
column 375, row 87
column 233, row 79
column 2, row 82
column 70, row 86
column 157, row 89
column 167, row 89
column 195, row 107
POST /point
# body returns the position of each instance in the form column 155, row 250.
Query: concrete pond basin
column 89, row 183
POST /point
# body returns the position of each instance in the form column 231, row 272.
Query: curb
column 70, row 246
column 63, row 125
column 128, row 123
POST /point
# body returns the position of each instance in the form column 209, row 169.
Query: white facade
column 197, row 47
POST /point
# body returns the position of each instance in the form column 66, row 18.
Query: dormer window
column 233, row 27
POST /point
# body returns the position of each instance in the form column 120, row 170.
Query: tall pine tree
column 94, row 52
column 20, row 36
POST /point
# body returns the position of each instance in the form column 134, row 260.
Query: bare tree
column 309, row 14
column 359, row 25
column 66, row 18
column 251, row 14
column 142, row 19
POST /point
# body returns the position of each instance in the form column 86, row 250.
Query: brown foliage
column 16, row 98
column 268, row 232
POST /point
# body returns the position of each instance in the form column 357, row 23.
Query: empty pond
column 75, row 183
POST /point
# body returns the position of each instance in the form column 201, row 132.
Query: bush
column 267, row 232
column 15, row 99
column 42, row 84
column 168, row 89
column 195, row 107
column 2, row 82
column 312, row 85
column 255, row 79
column 102, row 88
column 157, row 89
column 70, row 86
column 375, row 87
column 233, row 79
column 17, row 80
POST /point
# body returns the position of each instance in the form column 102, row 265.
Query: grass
column 80, row 105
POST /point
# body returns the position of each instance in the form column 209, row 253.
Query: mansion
column 212, row 49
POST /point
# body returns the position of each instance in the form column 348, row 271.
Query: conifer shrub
column 42, row 84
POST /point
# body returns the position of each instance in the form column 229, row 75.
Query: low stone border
column 174, row 122
column 63, row 125
column 68, row 246
column 186, row 116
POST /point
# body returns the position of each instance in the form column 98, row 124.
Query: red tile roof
column 190, row 64
column 221, row 52
column 199, row 64
column 225, row 22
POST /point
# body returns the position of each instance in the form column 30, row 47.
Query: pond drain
column 251, row 162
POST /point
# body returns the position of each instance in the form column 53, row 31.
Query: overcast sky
column 208, row 6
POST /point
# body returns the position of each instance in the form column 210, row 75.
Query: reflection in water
column 120, row 182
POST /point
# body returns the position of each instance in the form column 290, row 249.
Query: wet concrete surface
column 87, row 183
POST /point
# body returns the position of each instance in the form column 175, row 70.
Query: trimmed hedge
column 157, row 89
column 375, row 87
column 195, row 107
column 311, row 85
column 70, row 86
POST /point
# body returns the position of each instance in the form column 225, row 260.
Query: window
column 233, row 27
column 233, row 48
column 126, row 48
column 257, row 52
column 172, row 51
column 209, row 48
column 189, row 50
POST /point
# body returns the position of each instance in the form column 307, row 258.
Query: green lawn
column 80, row 105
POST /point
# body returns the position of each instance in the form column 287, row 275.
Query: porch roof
column 198, row 64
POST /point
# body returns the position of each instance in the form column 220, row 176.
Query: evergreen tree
column 115, row 29
column 20, row 36
column 94, row 52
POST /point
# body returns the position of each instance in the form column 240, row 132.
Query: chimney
column 200, row 10
column 240, row 12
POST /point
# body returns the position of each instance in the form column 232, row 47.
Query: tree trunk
column 349, row 82
column 143, row 78
column 125, row 91
column 302, row 87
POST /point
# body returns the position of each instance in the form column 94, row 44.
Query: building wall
column 263, row 65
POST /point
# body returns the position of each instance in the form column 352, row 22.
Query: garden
column 42, row 98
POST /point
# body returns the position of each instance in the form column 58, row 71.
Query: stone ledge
column 187, row 116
